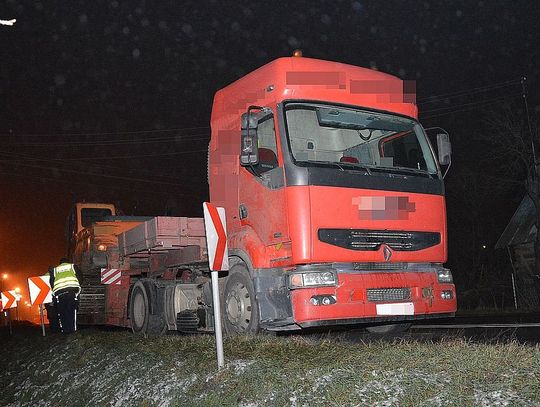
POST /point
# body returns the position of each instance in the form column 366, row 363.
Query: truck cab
column 80, row 239
column 334, row 198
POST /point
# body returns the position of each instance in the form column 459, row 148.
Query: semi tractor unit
column 335, row 210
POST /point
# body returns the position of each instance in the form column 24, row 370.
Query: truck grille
column 371, row 240
column 388, row 294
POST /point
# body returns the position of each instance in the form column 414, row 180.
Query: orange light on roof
column 297, row 53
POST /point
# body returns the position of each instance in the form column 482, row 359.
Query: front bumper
column 353, row 305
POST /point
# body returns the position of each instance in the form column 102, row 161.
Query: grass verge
column 95, row 367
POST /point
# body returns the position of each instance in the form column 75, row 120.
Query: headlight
column 444, row 276
column 312, row 279
column 101, row 247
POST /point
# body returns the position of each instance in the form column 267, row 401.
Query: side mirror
column 249, row 146
column 444, row 149
column 249, row 150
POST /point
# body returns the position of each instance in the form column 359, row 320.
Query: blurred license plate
column 402, row 308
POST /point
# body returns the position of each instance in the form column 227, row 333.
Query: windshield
column 347, row 137
column 92, row 215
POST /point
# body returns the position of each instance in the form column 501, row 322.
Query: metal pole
column 513, row 279
column 42, row 319
column 524, row 95
column 10, row 328
column 514, row 289
column 217, row 319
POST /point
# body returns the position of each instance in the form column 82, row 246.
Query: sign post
column 218, row 260
column 42, row 320
column 40, row 293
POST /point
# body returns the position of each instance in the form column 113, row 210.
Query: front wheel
column 241, row 313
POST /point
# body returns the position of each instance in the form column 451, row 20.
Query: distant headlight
column 101, row 247
column 444, row 276
column 312, row 279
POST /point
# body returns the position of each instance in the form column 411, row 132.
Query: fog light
column 323, row 300
column 447, row 295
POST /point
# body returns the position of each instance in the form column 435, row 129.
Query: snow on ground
column 115, row 374
column 498, row 398
column 102, row 381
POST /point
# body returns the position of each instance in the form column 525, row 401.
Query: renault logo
column 387, row 253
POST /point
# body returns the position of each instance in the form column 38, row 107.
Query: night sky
column 111, row 100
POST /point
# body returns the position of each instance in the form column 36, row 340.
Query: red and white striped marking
column 9, row 299
column 111, row 276
column 216, row 237
column 40, row 290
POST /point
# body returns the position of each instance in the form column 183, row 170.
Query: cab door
column 263, row 208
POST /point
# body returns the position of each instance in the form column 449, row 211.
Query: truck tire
column 390, row 329
column 240, row 313
column 139, row 309
column 142, row 321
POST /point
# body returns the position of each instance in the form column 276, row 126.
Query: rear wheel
column 142, row 321
column 241, row 313
column 390, row 329
column 139, row 309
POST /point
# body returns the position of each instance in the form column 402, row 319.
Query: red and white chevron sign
column 111, row 276
column 216, row 237
column 9, row 299
column 40, row 290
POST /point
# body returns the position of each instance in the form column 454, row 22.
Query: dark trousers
column 67, row 310
column 52, row 316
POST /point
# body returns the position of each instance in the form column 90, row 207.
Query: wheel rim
column 238, row 307
column 139, row 310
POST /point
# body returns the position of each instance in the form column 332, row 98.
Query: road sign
column 9, row 299
column 111, row 276
column 40, row 290
column 218, row 260
column 216, row 237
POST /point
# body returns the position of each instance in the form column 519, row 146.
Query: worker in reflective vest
column 66, row 279
column 52, row 309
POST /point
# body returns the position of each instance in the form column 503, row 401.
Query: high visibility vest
column 65, row 277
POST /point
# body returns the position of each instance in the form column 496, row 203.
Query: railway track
column 481, row 330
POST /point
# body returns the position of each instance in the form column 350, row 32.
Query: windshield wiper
column 402, row 170
column 355, row 166
column 341, row 165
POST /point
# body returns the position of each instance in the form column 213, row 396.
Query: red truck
column 335, row 209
